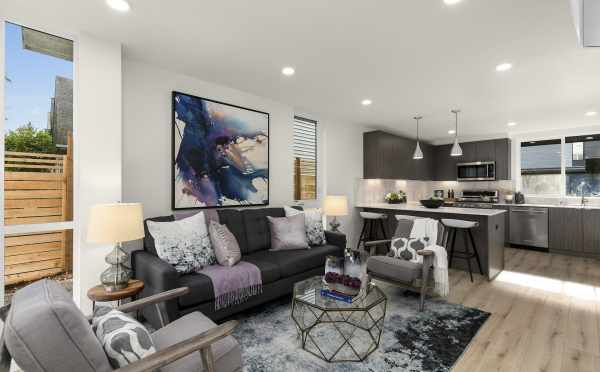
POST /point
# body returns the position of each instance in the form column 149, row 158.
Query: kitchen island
column 488, row 236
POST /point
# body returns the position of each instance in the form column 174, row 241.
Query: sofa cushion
column 226, row 352
column 258, row 236
column 267, row 264
column 394, row 269
column 295, row 262
column 201, row 289
column 149, row 244
column 45, row 331
column 232, row 218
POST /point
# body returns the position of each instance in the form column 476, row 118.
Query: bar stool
column 372, row 221
column 452, row 226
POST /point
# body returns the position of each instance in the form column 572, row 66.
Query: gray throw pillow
column 313, row 222
column 124, row 339
column 287, row 233
column 224, row 243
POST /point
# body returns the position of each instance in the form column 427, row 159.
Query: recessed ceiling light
column 451, row 131
column 366, row 102
column 119, row 5
column 503, row 67
column 451, row 2
column 288, row 71
column 591, row 113
column 511, row 124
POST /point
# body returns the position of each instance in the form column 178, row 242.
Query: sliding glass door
column 38, row 157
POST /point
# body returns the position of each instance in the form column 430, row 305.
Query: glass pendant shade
column 456, row 149
column 418, row 153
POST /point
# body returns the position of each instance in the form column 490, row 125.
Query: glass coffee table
column 334, row 330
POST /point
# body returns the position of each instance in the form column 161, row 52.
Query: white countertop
column 540, row 205
column 415, row 207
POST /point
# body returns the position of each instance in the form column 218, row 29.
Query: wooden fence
column 37, row 189
column 305, row 179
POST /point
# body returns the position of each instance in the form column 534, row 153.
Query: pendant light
column 456, row 149
column 418, row 153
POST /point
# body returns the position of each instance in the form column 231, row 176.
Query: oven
column 476, row 171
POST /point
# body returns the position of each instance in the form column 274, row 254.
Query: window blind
column 305, row 159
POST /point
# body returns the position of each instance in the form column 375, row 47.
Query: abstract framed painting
column 220, row 154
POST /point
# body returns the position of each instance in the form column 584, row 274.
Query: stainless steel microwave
column 476, row 171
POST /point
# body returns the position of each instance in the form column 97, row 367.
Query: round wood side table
column 100, row 294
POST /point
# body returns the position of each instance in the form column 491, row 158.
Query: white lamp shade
column 115, row 223
column 456, row 149
column 418, row 153
column 336, row 205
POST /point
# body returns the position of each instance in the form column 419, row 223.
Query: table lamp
column 334, row 206
column 115, row 223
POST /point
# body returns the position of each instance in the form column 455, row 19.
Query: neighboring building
column 60, row 118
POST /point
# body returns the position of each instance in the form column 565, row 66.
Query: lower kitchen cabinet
column 591, row 231
column 506, row 222
column 565, row 229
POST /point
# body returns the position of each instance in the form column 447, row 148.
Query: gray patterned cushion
column 313, row 223
column 287, row 233
column 124, row 339
column 224, row 243
column 184, row 243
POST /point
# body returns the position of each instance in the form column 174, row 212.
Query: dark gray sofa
column 280, row 270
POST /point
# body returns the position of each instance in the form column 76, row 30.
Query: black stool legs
column 467, row 254
column 369, row 231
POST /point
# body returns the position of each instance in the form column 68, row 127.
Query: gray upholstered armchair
column 403, row 272
column 45, row 331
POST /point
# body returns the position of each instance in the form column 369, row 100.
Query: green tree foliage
column 26, row 138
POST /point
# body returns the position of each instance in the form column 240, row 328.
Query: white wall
column 147, row 140
column 97, row 151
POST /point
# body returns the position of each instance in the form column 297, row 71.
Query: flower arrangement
column 343, row 283
column 396, row 197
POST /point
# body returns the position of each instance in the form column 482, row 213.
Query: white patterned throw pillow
column 185, row 243
column 313, row 221
column 124, row 339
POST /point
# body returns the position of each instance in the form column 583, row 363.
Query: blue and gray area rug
column 429, row 341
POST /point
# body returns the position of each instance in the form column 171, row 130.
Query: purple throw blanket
column 233, row 285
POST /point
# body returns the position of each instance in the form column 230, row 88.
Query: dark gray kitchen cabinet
column 389, row 156
column 444, row 167
column 506, row 222
column 591, row 230
column 469, row 152
column 485, row 150
column 502, row 149
column 565, row 229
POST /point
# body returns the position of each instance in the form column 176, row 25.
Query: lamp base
column 335, row 225
column 117, row 275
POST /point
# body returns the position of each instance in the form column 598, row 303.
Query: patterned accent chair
column 396, row 267
column 45, row 331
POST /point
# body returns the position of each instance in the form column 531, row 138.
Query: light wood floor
column 545, row 315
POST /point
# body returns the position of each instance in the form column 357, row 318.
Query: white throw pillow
column 185, row 243
column 313, row 222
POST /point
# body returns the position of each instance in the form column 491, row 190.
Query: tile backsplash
column 374, row 190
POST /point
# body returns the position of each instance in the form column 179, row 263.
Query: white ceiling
column 408, row 56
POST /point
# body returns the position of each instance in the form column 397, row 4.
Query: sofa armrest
column 158, row 276
column 336, row 238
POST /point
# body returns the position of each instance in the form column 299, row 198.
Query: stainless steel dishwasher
column 529, row 226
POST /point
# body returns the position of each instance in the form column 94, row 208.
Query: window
column 582, row 165
column 305, row 159
column 38, row 148
column 541, row 167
